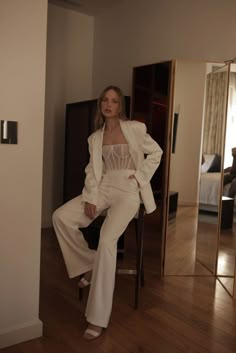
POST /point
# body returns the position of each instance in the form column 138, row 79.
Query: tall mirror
column 210, row 216
column 192, row 234
column 227, row 240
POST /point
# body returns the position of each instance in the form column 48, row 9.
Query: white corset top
column 117, row 157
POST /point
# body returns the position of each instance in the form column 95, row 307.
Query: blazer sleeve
column 90, row 190
column 153, row 153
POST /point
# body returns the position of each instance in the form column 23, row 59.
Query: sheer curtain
column 230, row 141
column 216, row 89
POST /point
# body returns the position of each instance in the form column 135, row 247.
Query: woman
column 116, row 176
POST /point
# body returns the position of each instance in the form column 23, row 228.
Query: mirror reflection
column 200, row 94
column 227, row 239
column 211, row 167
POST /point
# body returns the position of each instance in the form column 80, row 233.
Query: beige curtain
column 216, row 90
column 230, row 139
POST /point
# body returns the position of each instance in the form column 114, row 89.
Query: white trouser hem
column 99, row 323
column 79, row 272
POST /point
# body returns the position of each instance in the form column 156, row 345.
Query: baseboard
column 21, row 333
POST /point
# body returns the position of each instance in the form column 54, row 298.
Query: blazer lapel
column 131, row 140
column 97, row 154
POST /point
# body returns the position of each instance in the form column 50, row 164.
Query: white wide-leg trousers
column 120, row 196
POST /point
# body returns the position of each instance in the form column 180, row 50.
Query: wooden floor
column 177, row 313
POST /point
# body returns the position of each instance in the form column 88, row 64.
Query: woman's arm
column 153, row 154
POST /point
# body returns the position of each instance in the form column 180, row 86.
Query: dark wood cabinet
column 79, row 125
column 151, row 104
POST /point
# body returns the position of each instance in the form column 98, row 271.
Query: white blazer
column 140, row 144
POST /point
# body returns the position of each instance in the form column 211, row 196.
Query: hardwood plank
column 177, row 314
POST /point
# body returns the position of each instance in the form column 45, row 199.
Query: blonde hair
column 99, row 118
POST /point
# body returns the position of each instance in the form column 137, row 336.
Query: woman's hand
column 90, row 210
column 133, row 177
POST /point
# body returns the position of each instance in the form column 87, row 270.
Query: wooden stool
column 138, row 271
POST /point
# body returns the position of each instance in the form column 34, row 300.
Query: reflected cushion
column 215, row 165
column 212, row 163
column 208, row 159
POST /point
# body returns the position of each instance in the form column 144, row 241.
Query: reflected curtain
column 230, row 140
column 216, row 89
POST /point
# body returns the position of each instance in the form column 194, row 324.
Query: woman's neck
column 111, row 125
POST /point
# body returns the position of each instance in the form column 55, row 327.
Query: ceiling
column 89, row 7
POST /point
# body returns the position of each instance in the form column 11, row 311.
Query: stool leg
column 139, row 225
column 142, row 274
column 80, row 294
column 80, row 290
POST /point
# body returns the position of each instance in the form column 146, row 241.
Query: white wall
column 23, row 27
column 189, row 90
column 69, row 79
column 148, row 31
column 130, row 34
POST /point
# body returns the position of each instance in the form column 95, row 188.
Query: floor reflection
column 181, row 243
column 207, row 240
column 227, row 257
column 191, row 246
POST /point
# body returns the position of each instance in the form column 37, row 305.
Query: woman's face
column 110, row 105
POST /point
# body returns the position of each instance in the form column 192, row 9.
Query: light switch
column 9, row 131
